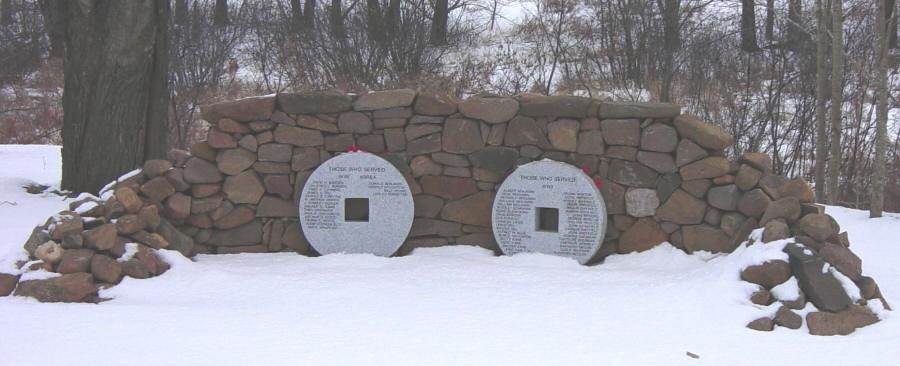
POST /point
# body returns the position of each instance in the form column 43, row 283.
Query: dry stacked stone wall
column 664, row 177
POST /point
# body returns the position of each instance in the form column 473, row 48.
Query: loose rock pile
column 664, row 178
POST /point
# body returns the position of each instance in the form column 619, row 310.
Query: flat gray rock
column 549, row 207
column 356, row 203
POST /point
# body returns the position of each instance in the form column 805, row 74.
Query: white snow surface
column 440, row 306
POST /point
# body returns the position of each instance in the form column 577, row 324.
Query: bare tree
column 821, row 96
column 770, row 20
column 671, row 11
column 336, row 20
column 309, row 14
column 439, row 23
column 837, row 96
column 6, row 17
column 181, row 12
column 221, row 13
column 116, row 92
column 748, row 27
column 876, row 200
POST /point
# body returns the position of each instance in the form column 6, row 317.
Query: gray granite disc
column 549, row 207
column 356, row 203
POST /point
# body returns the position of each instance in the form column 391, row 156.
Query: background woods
column 798, row 79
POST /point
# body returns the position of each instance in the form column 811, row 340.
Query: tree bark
column 439, row 23
column 336, row 18
column 54, row 14
column 392, row 18
column 770, row 21
column 220, row 13
column 671, row 10
column 5, row 12
column 116, row 90
column 309, row 14
column 181, row 12
column 748, row 27
column 796, row 34
column 821, row 102
column 373, row 20
column 876, row 198
column 296, row 15
column 837, row 77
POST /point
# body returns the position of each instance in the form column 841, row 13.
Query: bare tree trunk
column 336, row 18
column 770, row 20
column 296, row 15
column 116, row 89
column 373, row 20
column 837, row 77
column 181, row 12
column 54, row 13
column 821, row 103
column 891, row 23
column 795, row 36
column 671, row 10
column 220, row 13
column 309, row 14
column 439, row 23
column 392, row 18
column 6, row 12
column 876, row 204
column 748, row 27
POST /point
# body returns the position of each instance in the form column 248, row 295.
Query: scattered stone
column 49, row 252
column 787, row 318
column 841, row 323
column 106, row 269
column 762, row 325
column 75, row 261
column 102, row 237
column 819, row 285
column 762, row 297
column 776, row 230
column 768, row 274
column 818, row 226
column 73, row 287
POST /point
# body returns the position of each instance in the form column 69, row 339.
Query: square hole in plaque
column 547, row 219
column 356, row 209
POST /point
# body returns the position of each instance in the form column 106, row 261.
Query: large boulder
column 625, row 132
column 489, row 109
column 818, row 226
column 706, row 238
column 659, row 137
column 75, row 287
column 565, row 106
column 819, row 285
column 461, row 136
column 632, row 174
column 710, row 167
column 843, row 259
column 840, row 323
column 75, row 260
column 785, row 208
column 724, row 197
column 768, row 274
column 682, row 208
column 245, row 110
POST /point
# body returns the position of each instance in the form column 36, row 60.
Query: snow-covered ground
column 442, row 306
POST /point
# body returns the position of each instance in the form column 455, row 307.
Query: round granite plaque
column 356, row 203
column 549, row 207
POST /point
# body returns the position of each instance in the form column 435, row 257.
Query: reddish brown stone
column 102, row 237
column 659, row 137
column 75, row 260
column 106, row 269
column 489, row 109
column 236, row 217
column 129, row 200
column 244, row 188
column 128, row 224
column 73, row 287
column 710, row 167
column 768, row 274
column 682, row 208
column 158, row 189
column 8, row 283
column 461, row 136
column 316, row 124
column 797, row 188
column 203, row 151
column 247, row 109
column 297, row 136
column 626, row 132
column 156, row 167
column 178, row 206
column 435, row 104
column 841, row 323
column 706, row 135
column 275, row 152
column 563, row 134
column 201, row 171
column 643, row 235
column 279, row 184
column 218, row 139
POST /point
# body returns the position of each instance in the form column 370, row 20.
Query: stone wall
column 664, row 175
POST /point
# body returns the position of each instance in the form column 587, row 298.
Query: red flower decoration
column 353, row 148
column 585, row 169
column 598, row 182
